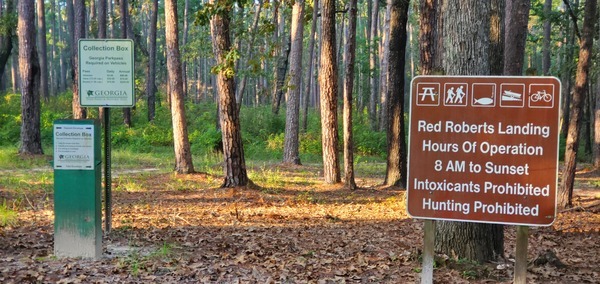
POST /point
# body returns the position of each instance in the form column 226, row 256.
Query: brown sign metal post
column 484, row 149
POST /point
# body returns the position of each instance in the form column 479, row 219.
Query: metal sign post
column 106, row 79
column 484, row 149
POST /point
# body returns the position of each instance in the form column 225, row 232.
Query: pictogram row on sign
column 510, row 95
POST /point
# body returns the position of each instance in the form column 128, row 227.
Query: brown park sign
column 484, row 149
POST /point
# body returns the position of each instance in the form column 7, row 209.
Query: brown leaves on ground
column 289, row 228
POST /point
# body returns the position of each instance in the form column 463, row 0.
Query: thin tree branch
column 573, row 18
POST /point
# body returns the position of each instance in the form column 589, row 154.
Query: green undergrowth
column 8, row 217
column 149, row 144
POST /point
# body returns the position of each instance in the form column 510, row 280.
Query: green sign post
column 77, row 199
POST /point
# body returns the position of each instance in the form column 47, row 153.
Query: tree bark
column 124, row 8
column 309, row 70
column 151, row 80
column 546, row 42
column 249, row 52
column 373, row 66
column 566, row 75
column 183, row 153
column 466, row 44
column 102, row 10
column 233, row 149
column 5, row 40
column 92, row 22
column 184, row 42
column 497, row 37
column 328, row 84
column 427, row 35
column 78, row 33
column 31, row 142
column 62, row 56
column 396, row 159
column 350, row 52
column 54, row 65
column 43, row 59
column 15, row 72
column 517, row 17
column 280, row 73
column 565, row 193
column 102, row 17
column 282, row 54
column 291, row 145
column 597, row 125
column 70, row 42
column 384, row 69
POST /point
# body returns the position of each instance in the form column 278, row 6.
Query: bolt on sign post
column 77, row 201
column 484, row 149
column 106, row 79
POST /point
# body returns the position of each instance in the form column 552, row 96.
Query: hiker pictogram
column 455, row 94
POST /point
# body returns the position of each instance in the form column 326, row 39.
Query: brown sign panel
column 484, row 149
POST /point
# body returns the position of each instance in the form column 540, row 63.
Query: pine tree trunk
column 466, row 44
column 102, row 18
column 348, row 88
column 427, row 35
column 70, row 42
column 282, row 54
column 61, row 83
column 54, row 63
column 309, row 70
column 384, row 69
column 183, row 153
column 15, row 72
column 150, row 82
column 497, row 37
column 5, row 42
column 546, row 42
column 249, row 53
column 567, row 71
column 184, row 78
column 396, row 159
column 102, row 10
column 291, row 145
column 31, row 142
column 373, row 66
column 41, row 18
column 282, row 66
column 328, row 84
column 93, row 29
column 78, row 33
column 124, row 8
column 597, row 126
column 565, row 192
column 233, row 150
column 517, row 16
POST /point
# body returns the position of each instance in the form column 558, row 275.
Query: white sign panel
column 73, row 147
column 106, row 77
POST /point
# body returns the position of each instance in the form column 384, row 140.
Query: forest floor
column 289, row 228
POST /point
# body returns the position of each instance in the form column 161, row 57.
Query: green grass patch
column 8, row 217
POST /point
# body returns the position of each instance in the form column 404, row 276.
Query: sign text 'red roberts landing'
column 484, row 149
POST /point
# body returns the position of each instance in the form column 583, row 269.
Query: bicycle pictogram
column 541, row 95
